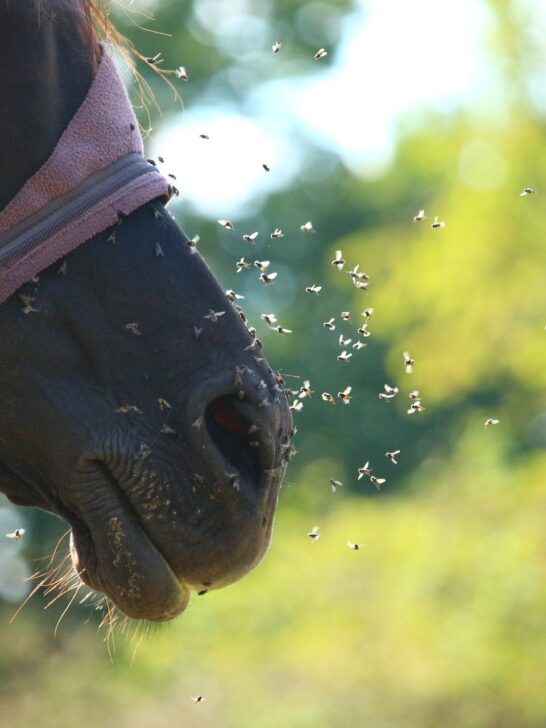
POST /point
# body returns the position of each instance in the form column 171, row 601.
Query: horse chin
column 119, row 560
column 149, row 589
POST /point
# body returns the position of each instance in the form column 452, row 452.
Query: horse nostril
column 224, row 413
column 237, row 438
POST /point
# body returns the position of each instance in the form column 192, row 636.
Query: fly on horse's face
column 154, row 428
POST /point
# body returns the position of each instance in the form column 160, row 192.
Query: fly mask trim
column 95, row 172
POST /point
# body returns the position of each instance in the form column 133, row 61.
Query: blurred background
column 439, row 619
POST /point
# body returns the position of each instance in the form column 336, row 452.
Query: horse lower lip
column 151, row 593
column 119, row 559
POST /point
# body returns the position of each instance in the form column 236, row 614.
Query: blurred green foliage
column 439, row 620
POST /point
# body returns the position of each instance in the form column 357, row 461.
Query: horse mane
column 99, row 28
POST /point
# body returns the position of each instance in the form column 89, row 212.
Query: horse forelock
column 95, row 25
column 99, row 28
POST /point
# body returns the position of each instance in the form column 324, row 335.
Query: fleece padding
column 102, row 130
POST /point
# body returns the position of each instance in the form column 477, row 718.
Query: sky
column 382, row 72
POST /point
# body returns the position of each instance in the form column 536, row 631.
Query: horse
column 134, row 402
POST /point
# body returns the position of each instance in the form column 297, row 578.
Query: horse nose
column 242, row 435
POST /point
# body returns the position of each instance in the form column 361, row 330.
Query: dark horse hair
column 99, row 28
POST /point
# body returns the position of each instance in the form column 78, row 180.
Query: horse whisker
column 27, row 599
column 66, row 609
column 64, row 591
column 61, row 539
